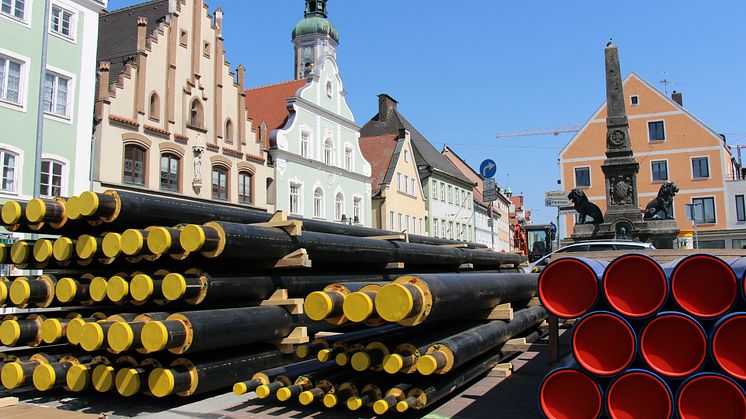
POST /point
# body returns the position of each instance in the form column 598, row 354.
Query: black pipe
column 123, row 336
column 49, row 376
column 306, row 382
column 130, row 381
column 246, row 242
column 268, row 376
column 93, row 334
column 20, row 332
column 104, row 374
column 78, row 377
column 328, row 304
column 327, row 385
column 313, row 348
column 38, row 291
column 17, row 374
column 456, row 350
column 404, row 357
column 393, row 396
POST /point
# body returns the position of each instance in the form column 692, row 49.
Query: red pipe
column 635, row 285
column 704, row 286
column 568, row 287
column 603, row 343
column 639, row 394
column 674, row 345
column 729, row 345
column 711, row 396
column 568, row 393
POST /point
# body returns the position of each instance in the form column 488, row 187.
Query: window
column 50, row 183
column 740, row 208
column 634, row 100
column 711, row 244
column 704, row 210
column 348, row 159
column 196, row 114
column 295, row 198
column 8, row 160
column 414, row 188
column 401, row 222
column 435, row 227
column 154, row 112
column 305, row 144
column 443, row 228
column 435, row 191
column 329, row 89
column 739, row 243
column 318, row 203
column 656, row 131
column 183, row 38
column 15, row 9
column 10, row 80
column 458, row 231
column 660, row 170
column 582, row 177
column 391, row 220
column 245, row 187
column 220, row 183
column 406, row 184
column 228, row 131
column 450, row 230
column 134, row 165
column 406, row 156
column 62, row 22
column 357, row 210
column 442, row 192
column 55, row 94
column 700, row 168
column 206, row 50
column 339, row 206
column 328, row 152
column 170, row 172
column 450, row 194
column 398, row 181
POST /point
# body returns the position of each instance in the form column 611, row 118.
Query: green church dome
column 316, row 25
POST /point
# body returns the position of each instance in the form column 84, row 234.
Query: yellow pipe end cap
column 72, row 208
column 154, row 336
column 20, row 291
column 342, row 359
column 92, row 337
column 393, row 363
column 66, row 290
column 161, row 382
column 127, row 382
column 402, row 406
column 36, row 209
column 360, row 361
column 3, row 292
column 86, row 246
column 103, row 378
column 12, row 375
column 44, row 377
column 120, row 337
column 51, row 330
column 330, row 400
column 302, row 351
column 284, row 394
column 78, row 377
column 394, row 302
column 159, row 240
column 427, row 365
column 10, row 332
column 306, row 398
column 4, row 250
column 358, row 307
column 174, row 286
column 354, row 403
column 380, row 407
column 88, row 203
column 117, row 289
column 20, row 252
column 318, row 305
column 73, row 330
column 112, row 245
column 97, row 289
column 192, row 238
column 12, row 212
column 63, row 249
column 324, row 355
column 132, row 242
column 141, row 287
column 43, row 250
column 262, row 392
column 240, row 389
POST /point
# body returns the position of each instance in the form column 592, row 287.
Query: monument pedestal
column 661, row 233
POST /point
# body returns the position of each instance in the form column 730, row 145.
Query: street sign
column 490, row 190
column 556, row 199
column 488, row 169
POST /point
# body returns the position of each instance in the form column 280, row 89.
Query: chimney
column 142, row 32
column 386, row 104
column 103, row 80
column 677, row 97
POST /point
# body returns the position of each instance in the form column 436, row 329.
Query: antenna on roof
column 665, row 82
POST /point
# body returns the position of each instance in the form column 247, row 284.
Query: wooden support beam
column 501, row 312
column 280, row 220
column 280, row 298
column 392, row 237
column 501, row 370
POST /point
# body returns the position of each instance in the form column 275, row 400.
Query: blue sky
column 463, row 71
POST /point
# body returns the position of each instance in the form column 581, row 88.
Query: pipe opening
column 635, row 286
column 711, row 396
column 728, row 343
column 673, row 345
column 570, row 394
column 700, row 298
column 604, row 344
column 568, row 288
column 639, row 395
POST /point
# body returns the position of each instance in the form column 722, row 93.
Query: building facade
column 670, row 145
column 69, row 86
column 310, row 131
column 398, row 202
column 170, row 116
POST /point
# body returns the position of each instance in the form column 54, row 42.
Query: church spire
column 314, row 39
column 315, row 8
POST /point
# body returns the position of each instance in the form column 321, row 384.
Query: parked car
column 592, row 246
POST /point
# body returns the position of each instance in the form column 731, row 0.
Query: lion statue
column 585, row 208
column 660, row 207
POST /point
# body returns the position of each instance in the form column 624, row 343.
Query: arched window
column 228, row 131
column 134, row 164
column 305, row 144
column 318, row 203
column 170, row 168
column 357, row 210
column 197, row 114
column 154, row 112
column 245, row 187
column 329, row 152
column 219, row 183
column 339, row 206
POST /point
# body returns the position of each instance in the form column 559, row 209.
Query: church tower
column 314, row 38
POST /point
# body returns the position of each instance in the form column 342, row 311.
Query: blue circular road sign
column 488, row 169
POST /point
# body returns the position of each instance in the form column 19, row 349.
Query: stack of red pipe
column 651, row 340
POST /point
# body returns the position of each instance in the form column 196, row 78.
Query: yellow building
column 670, row 145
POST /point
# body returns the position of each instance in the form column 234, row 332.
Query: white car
column 593, row 246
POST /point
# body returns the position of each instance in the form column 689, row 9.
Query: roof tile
column 268, row 104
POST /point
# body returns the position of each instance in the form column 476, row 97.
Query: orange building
column 671, row 145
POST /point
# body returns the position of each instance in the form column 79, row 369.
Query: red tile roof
column 378, row 151
column 267, row 104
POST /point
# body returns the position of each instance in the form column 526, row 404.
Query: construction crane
column 541, row 131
